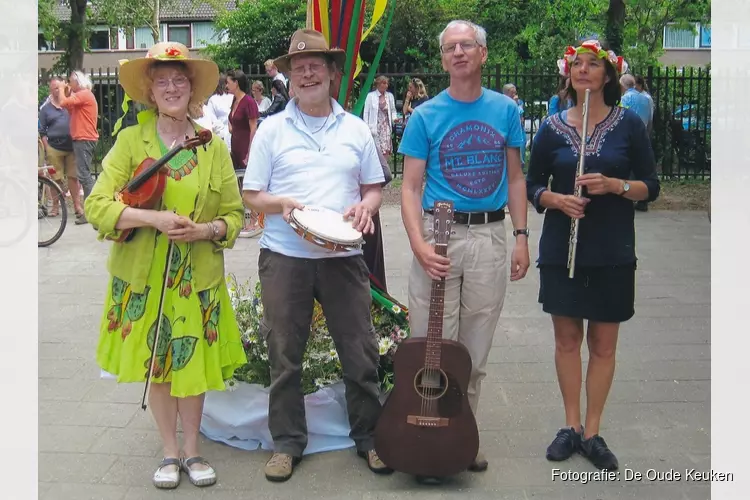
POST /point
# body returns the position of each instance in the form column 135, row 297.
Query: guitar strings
column 429, row 391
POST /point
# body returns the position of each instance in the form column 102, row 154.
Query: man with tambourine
column 314, row 172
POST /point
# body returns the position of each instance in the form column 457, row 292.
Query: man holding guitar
column 467, row 140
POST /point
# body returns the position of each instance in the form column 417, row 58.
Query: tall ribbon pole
column 342, row 24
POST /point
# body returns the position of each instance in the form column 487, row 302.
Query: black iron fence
column 681, row 133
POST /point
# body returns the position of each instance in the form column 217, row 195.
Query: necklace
column 171, row 138
column 299, row 113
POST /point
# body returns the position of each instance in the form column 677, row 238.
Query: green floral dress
column 199, row 343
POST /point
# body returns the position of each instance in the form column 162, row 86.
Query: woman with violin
column 168, row 319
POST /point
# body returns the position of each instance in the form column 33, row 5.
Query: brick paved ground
column 95, row 442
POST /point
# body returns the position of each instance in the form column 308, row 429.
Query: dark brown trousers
column 341, row 285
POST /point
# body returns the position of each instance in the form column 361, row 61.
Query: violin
column 149, row 180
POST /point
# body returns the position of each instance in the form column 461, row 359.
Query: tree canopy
column 518, row 31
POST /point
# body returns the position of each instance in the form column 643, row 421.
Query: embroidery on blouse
column 596, row 141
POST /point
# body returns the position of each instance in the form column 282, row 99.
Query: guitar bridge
column 420, row 421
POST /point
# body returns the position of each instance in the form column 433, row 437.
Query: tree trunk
column 155, row 28
column 615, row 24
column 76, row 35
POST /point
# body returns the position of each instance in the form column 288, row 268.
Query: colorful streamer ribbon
column 342, row 24
column 357, row 110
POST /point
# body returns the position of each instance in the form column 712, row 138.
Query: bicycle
column 50, row 191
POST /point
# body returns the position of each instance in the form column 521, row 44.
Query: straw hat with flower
column 205, row 73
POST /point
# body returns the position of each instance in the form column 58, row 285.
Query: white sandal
column 199, row 477
column 167, row 480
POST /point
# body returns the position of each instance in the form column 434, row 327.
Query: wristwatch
column 524, row 231
column 625, row 187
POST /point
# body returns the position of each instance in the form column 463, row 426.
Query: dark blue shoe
column 598, row 453
column 564, row 445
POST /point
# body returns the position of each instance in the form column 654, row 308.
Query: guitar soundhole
column 431, row 383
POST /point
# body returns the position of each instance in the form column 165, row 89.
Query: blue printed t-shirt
column 464, row 145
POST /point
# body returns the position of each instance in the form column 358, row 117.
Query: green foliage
column 563, row 23
column 684, row 100
column 257, row 31
column 116, row 13
column 320, row 363
column 643, row 32
column 127, row 14
column 532, row 32
column 413, row 38
column 42, row 93
column 46, row 19
column 520, row 32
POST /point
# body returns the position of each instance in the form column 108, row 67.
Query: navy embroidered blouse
column 618, row 147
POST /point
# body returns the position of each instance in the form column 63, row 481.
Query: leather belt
column 476, row 217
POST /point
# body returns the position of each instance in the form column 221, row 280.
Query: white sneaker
column 199, row 477
column 167, row 480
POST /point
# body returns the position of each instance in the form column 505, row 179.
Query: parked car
column 691, row 129
column 692, row 117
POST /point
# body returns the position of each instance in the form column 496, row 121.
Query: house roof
column 182, row 10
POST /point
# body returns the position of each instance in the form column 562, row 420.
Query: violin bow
column 167, row 269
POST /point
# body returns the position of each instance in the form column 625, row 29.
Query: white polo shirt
column 326, row 169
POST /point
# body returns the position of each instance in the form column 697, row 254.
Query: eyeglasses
column 178, row 81
column 466, row 46
column 315, row 68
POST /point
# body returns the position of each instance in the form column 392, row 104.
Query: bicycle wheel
column 49, row 192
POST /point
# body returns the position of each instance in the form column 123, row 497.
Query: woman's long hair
column 421, row 89
column 280, row 88
column 221, row 88
column 239, row 77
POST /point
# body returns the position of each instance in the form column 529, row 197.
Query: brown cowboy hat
column 307, row 41
column 132, row 73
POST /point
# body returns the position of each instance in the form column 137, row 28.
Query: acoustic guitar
column 427, row 427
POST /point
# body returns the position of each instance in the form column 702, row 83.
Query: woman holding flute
column 602, row 287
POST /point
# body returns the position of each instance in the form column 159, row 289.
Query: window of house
column 697, row 37
column 99, row 39
column 179, row 33
column 130, row 39
column 44, row 45
column 205, row 33
column 60, row 43
column 144, row 39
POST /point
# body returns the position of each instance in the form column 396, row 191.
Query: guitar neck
column 435, row 322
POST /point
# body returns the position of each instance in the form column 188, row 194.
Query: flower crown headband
column 593, row 47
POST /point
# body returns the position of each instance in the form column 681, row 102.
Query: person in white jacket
column 380, row 115
column 219, row 106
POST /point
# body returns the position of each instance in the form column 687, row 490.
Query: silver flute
column 577, row 190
